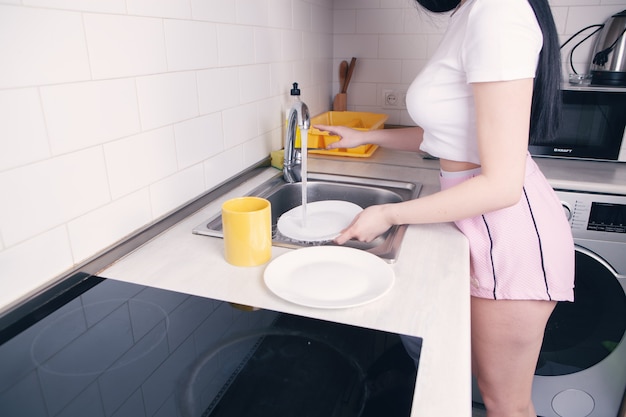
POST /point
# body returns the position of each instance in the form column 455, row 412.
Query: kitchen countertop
column 586, row 176
column 429, row 299
column 563, row 174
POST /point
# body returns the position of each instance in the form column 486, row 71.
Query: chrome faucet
column 292, row 165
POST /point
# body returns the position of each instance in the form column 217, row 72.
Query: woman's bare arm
column 406, row 139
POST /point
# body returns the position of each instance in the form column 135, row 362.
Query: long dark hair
column 545, row 111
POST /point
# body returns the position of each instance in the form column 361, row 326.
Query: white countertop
column 429, row 299
column 585, row 176
column 562, row 173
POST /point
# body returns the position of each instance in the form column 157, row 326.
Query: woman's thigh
column 506, row 340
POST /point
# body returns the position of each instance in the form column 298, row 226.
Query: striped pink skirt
column 522, row 252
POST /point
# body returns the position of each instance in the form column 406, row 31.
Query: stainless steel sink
column 359, row 190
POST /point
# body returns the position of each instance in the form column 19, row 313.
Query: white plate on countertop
column 324, row 220
column 329, row 277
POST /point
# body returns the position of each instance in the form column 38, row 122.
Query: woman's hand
column 348, row 137
column 404, row 139
column 367, row 225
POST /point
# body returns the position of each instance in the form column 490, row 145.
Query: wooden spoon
column 344, row 89
column 343, row 72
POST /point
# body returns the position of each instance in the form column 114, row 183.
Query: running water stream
column 304, row 136
column 320, row 221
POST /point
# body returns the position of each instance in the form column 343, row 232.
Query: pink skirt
column 522, row 252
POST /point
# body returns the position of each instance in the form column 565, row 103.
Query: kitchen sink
column 362, row 191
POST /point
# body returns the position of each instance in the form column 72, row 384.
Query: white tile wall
column 41, row 46
column 218, row 169
column 122, row 46
column 113, row 113
column 102, row 227
column 213, row 10
column 163, row 8
column 393, row 40
column 138, row 161
column 236, row 132
column 23, row 121
column 46, row 194
column 218, row 89
column 253, row 85
column 241, row 45
column 192, row 146
column 190, row 45
column 182, row 186
column 103, row 6
column 82, row 115
column 253, row 12
column 281, row 15
column 36, row 260
column 167, row 98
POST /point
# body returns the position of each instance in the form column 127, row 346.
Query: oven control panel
column 595, row 216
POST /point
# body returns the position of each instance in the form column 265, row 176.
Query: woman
column 491, row 86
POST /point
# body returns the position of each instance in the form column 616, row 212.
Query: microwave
column 591, row 126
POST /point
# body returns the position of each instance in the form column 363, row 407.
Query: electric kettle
column 608, row 60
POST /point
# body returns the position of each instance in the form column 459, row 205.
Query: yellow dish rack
column 318, row 140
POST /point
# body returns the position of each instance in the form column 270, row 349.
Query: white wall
column 116, row 112
column 393, row 41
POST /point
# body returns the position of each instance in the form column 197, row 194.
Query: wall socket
column 394, row 99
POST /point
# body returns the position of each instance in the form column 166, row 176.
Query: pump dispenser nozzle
column 295, row 91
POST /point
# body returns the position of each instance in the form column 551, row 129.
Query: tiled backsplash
column 393, row 42
column 116, row 112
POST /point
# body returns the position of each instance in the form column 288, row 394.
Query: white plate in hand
column 324, row 220
column 329, row 277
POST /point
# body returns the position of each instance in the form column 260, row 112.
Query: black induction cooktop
column 98, row 347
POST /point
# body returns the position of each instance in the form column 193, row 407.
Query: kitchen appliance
column 580, row 371
column 608, row 64
column 592, row 125
column 92, row 346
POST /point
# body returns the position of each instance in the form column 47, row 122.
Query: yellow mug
column 247, row 227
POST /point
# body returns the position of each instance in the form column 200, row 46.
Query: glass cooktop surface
column 109, row 348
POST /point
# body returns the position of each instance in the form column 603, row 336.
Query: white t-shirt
column 486, row 40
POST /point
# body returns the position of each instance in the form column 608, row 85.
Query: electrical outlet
column 394, row 99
